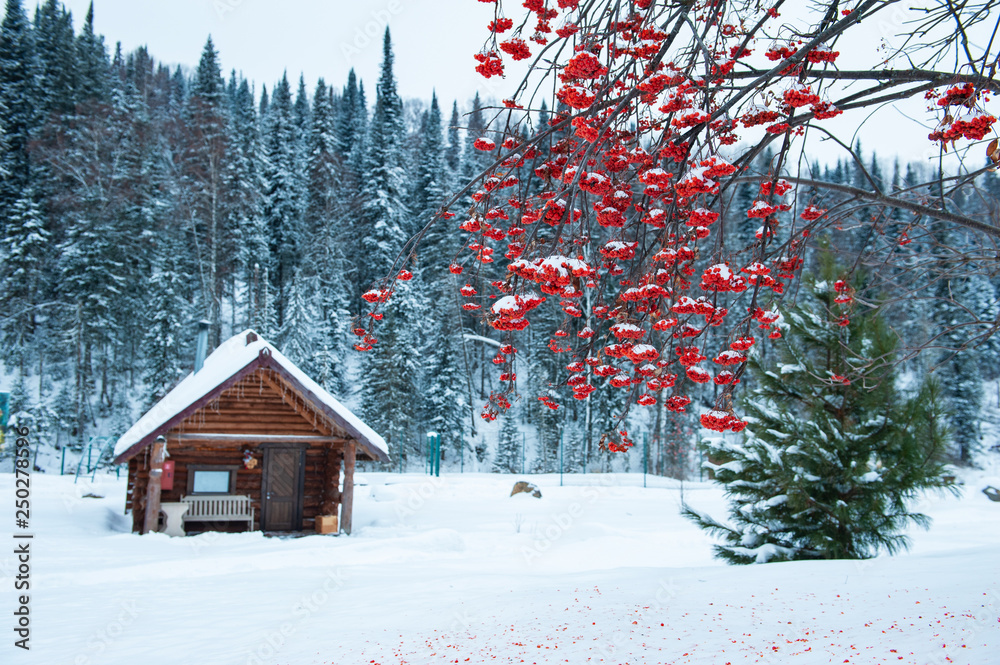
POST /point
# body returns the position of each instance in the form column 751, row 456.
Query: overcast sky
column 434, row 41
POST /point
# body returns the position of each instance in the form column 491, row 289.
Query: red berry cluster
column 722, row 421
column 489, row 65
column 596, row 187
column 516, row 48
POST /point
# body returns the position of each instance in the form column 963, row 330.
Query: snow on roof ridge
column 226, row 360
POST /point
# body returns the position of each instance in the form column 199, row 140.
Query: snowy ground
column 453, row 570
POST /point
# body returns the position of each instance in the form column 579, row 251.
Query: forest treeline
column 137, row 199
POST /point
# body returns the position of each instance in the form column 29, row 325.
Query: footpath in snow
column 453, row 570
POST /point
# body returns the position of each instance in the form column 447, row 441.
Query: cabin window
column 211, row 479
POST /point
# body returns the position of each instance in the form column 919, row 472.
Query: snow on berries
column 620, row 203
column 516, row 48
column 500, row 25
column 722, row 421
column 822, row 53
column 701, row 217
column 576, row 96
column 484, row 144
column 489, row 64
column 698, row 374
column 761, row 209
column 730, row 357
column 583, row 66
column 812, row 213
column 376, row 295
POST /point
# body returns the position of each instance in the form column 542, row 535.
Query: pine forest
column 137, row 200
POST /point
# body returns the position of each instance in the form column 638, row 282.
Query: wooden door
column 281, row 489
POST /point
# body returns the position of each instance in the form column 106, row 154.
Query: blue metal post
column 522, row 452
column 79, row 463
column 62, row 464
column 108, row 440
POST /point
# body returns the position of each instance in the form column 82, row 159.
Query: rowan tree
column 613, row 213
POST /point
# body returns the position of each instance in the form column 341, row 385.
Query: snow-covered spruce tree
column 55, row 50
column 430, row 185
column 296, row 336
column 508, row 455
column 391, row 378
column 204, row 166
column 352, row 122
column 446, row 402
column 283, row 198
column 832, row 452
column 384, row 213
column 23, row 253
column 164, row 338
column 453, row 154
column 243, row 188
column 92, row 71
column 19, row 97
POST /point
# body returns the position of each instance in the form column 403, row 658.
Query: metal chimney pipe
column 202, row 348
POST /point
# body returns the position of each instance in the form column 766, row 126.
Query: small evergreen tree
column 832, row 453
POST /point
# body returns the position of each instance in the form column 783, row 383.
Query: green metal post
column 437, row 455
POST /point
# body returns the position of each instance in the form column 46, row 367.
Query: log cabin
column 246, row 441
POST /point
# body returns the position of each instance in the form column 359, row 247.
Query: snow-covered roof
column 232, row 356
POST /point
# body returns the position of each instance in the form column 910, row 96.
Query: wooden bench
column 218, row 508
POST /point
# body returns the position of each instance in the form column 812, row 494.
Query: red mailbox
column 167, row 479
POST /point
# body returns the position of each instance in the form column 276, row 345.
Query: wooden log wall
column 257, row 405
column 135, row 495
